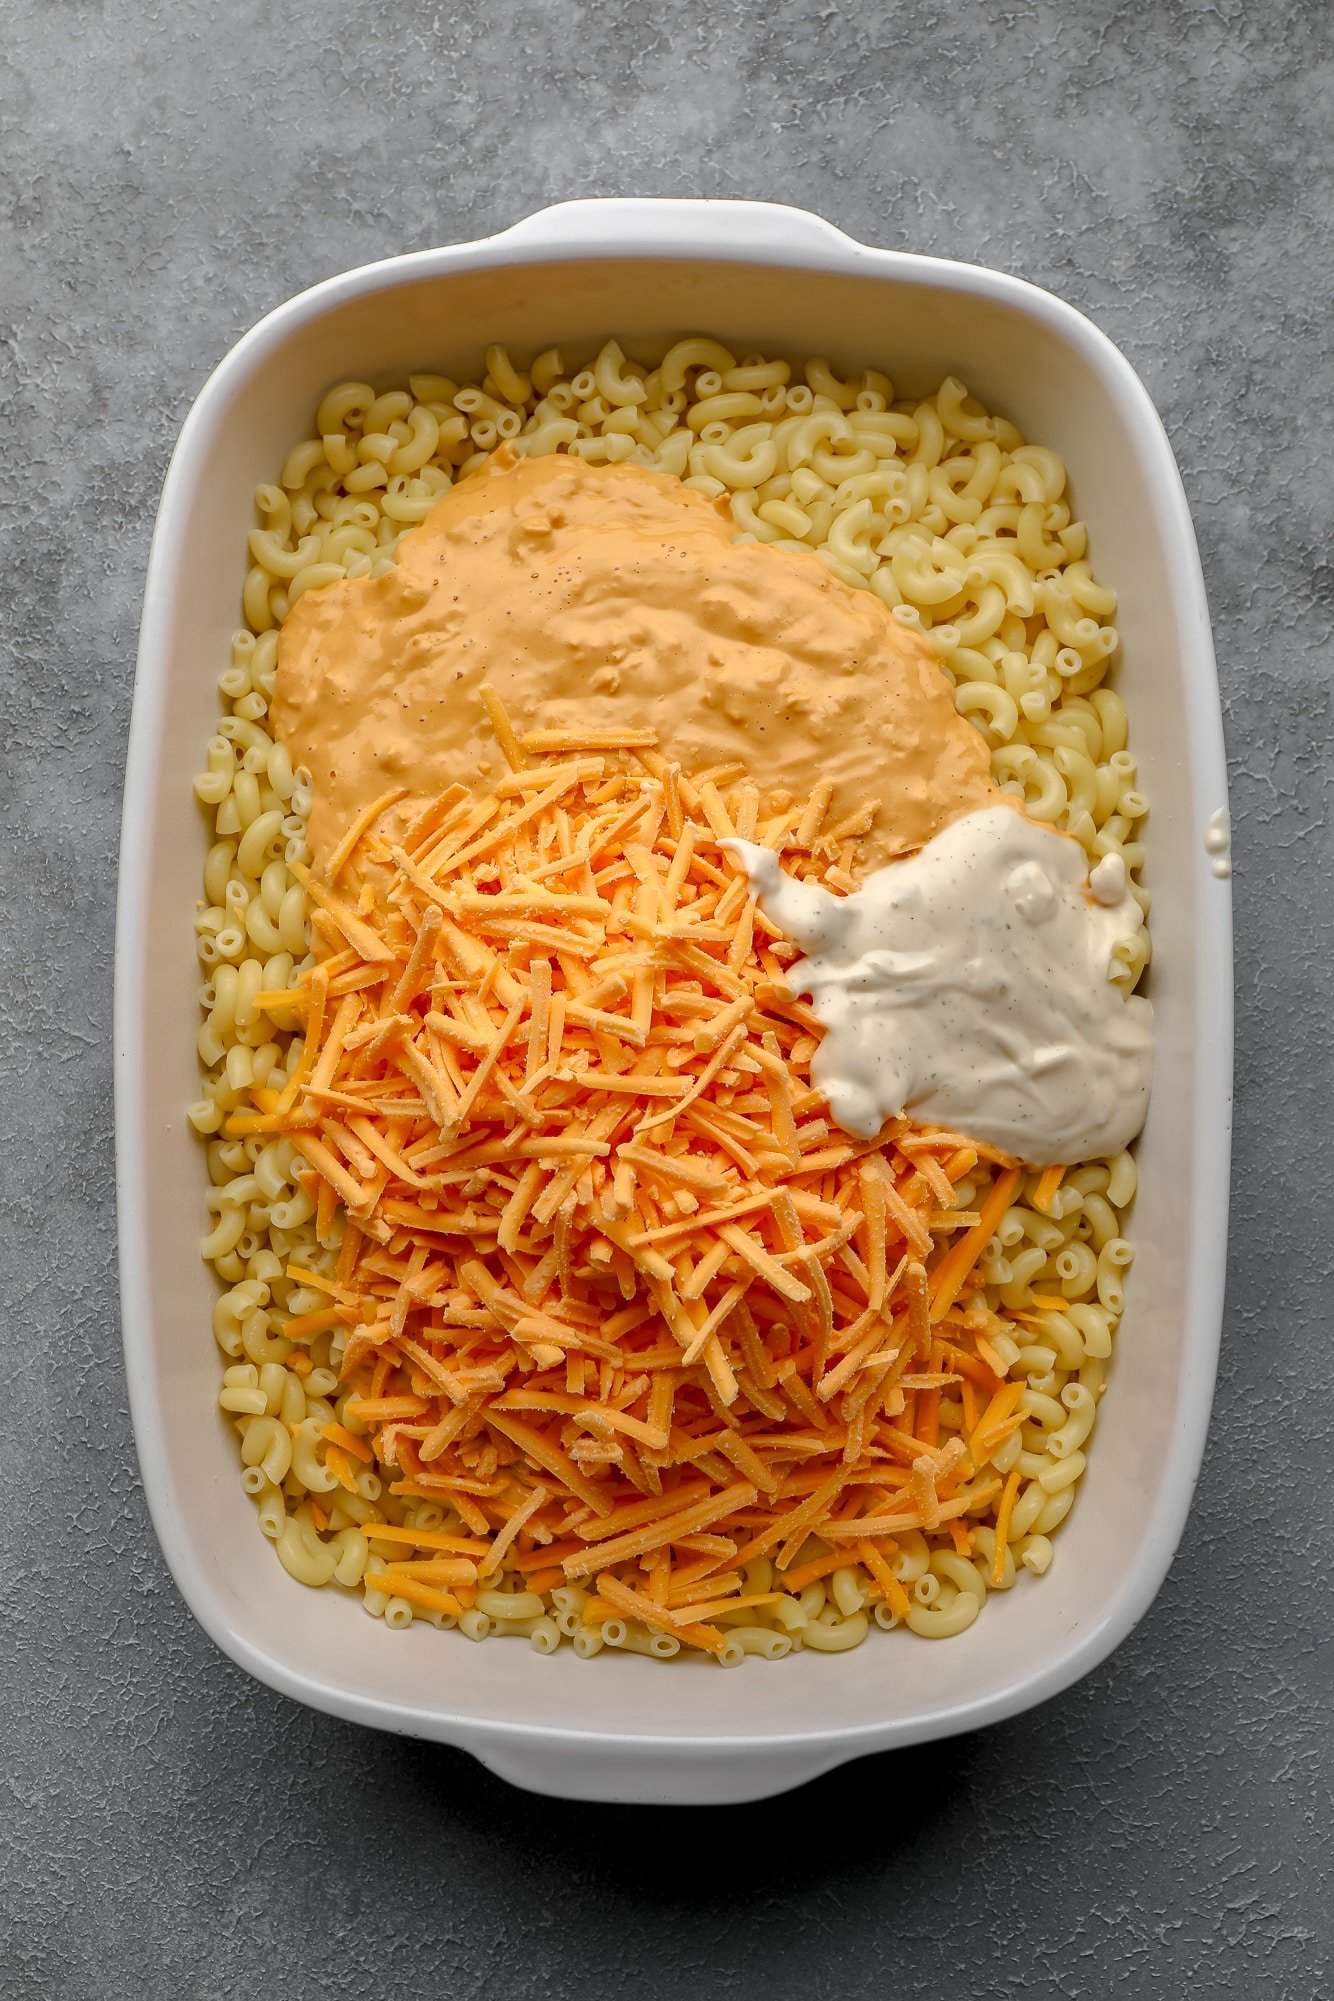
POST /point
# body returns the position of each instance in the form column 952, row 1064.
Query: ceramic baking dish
column 622, row 1727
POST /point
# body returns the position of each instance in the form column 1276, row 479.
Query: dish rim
column 746, row 234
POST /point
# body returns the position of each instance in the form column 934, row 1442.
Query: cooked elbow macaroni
column 965, row 532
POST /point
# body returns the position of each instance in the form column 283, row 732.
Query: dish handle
column 624, row 226
column 661, row 1774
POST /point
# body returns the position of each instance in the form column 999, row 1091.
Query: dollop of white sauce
column 969, row 985
column 1218, row 843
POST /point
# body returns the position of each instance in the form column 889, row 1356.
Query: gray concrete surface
column 168, row 1829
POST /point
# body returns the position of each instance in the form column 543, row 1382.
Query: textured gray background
column 169, row 1829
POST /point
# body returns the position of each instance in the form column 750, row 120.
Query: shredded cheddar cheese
column 612, row 1288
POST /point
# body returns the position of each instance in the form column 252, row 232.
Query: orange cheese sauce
column 614, row 596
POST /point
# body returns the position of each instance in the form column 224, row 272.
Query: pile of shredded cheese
column 613, row 1291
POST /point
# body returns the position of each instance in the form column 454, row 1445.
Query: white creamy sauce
column 968, row 986
column 1218, row 843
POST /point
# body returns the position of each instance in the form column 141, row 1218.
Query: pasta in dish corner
column 596, row 1267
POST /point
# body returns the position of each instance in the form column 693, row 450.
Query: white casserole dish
column 622, row 1727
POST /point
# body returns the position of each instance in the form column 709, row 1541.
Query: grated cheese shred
column 611, row 1288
